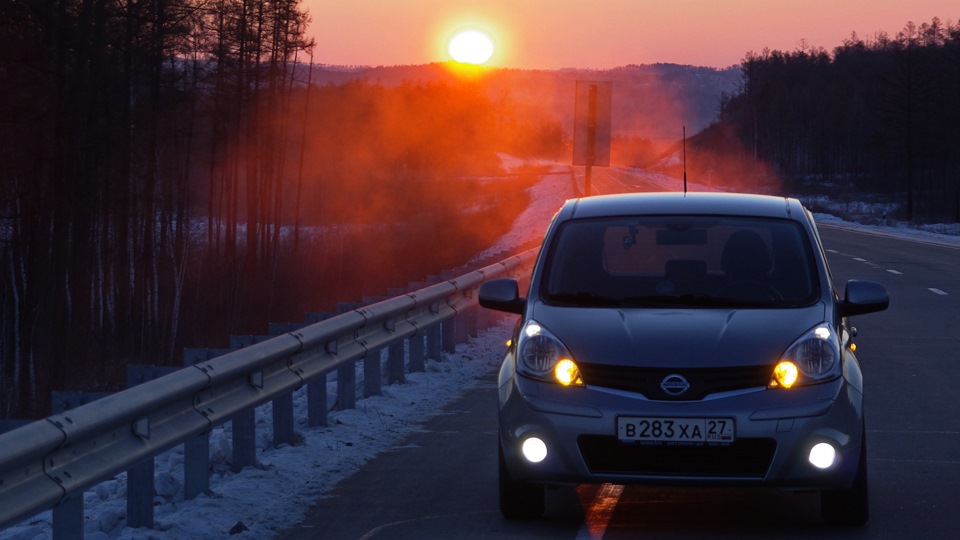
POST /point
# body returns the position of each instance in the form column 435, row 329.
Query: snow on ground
column 546, row 197
column 947, row 234
column 257, row 502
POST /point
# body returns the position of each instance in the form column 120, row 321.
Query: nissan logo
column 674, row 384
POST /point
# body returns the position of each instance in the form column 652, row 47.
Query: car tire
column 849, row 507
column 519, row 500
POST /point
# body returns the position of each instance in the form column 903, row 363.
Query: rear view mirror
column 502, row 295
column 863, row 297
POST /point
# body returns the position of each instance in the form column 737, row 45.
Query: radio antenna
column 684, row 159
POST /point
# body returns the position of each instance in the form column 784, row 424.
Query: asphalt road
column 441, row 482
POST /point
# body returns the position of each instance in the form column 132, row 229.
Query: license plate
column 650, row 429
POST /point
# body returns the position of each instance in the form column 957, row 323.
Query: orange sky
column 550, row 34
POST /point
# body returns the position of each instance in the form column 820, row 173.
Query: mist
column 167, row 186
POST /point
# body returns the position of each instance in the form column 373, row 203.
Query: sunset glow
column 553, row 34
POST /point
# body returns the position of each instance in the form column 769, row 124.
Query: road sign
column 591, row 123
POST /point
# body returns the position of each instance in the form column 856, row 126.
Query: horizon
column 445, row 63
column 564, row 34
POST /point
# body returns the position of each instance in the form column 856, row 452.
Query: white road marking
column 859, row 259
column 937, row 291
column 933, row 461
column 908, row 432
column 894, row 272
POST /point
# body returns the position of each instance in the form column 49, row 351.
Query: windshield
column 656, row 261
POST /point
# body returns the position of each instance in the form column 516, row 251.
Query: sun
column 470, row 47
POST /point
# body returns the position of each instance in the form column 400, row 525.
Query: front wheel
column 849, row 507
column 518, row 500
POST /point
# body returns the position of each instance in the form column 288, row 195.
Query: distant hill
column 654, row 101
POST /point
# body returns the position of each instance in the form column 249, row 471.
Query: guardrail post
column 317, row 401
column 244, row 440
column 417, row 353
column 96, row 428
column 196, row 451
column 460, row 332
column 283, row 429
column 243, row 425
column 346, row 387
column 196, row 466
column 140, row 494
column 434, row 347
column 68, row 519
column 395, row 372
column 317, row 387
column 485, row 318
column 471, row 317
column 140, row 478
column 449, row 332
column 282, row 416
column 372, row 374
column 283, row 432
column 68, row 515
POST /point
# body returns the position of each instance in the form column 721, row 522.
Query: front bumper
column 775, row 429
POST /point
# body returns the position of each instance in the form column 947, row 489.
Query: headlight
column 541, row 356
column 813, row 358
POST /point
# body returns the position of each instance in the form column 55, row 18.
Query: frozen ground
column 257, row 502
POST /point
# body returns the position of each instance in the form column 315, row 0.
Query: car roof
column 697, row 203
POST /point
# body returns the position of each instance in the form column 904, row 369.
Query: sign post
column 591, row 127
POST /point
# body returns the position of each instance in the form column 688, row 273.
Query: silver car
column 687, row 339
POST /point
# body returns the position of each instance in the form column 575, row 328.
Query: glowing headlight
column 541, row 355
column 813, row 358
column 785, row 374
column 567, row 372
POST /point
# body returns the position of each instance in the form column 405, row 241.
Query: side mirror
column 863, row 297
column 502, row 295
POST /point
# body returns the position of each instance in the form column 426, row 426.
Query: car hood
column 677, row 337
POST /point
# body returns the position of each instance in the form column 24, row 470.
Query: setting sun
column 470, row 47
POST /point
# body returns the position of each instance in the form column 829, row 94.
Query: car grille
column 647, row 381
column 744, row 458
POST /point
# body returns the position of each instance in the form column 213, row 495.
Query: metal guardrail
column 50, row 462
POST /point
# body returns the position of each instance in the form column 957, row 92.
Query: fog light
column 534, row 449
column 823, row 455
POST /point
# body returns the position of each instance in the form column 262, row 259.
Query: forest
column 170, row 176
column 877, row 117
